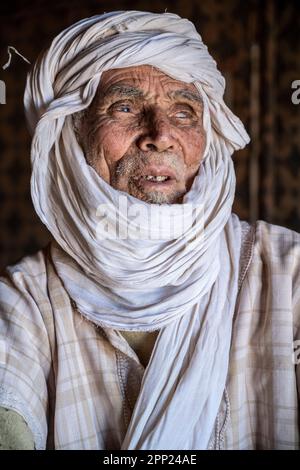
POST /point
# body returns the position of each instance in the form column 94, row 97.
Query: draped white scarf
column 185, row 286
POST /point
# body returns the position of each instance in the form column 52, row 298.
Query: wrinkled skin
column 143, row 124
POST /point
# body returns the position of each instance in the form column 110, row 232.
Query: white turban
column 185, row 286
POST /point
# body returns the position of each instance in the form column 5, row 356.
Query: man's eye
column 123, row 108
column 183, row 115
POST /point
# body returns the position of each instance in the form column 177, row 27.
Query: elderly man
column 179, row 339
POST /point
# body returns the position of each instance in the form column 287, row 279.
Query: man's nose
column 157, row 136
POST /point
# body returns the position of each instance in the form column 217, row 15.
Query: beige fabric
column 14, row 432
column 54, row 364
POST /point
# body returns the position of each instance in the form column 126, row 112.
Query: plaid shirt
column 75, row 383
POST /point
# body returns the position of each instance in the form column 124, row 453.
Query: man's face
column 143, row 133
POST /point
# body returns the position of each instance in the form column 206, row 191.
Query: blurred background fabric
column 257, row 47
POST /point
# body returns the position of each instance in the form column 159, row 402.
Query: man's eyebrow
column 186, row 94
column 122, row 90
column 131, row 91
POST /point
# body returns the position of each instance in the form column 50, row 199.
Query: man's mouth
column 159, row 178
column 156, row 176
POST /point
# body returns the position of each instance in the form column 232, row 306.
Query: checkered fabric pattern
column 76, row 384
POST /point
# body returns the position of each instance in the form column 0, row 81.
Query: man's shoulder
column 275, row 238
column 264, row 227
column 29, row 271
column 277, row 248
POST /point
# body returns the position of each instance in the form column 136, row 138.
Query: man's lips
column 154, row 172
column 146, row 179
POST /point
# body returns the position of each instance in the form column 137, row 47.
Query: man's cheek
column 115, row 142
column 193, row 156
column 113, row 151
column 196, row 150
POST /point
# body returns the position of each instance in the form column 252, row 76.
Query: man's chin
column 158, row 197
column 151, row 195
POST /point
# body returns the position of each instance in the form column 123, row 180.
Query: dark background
column 257, row 48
